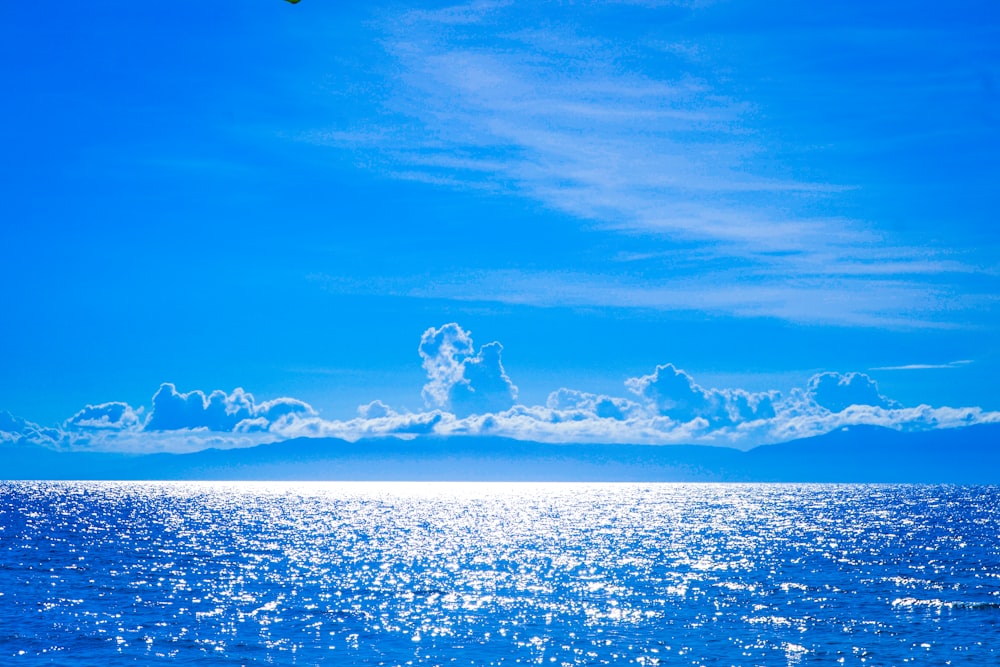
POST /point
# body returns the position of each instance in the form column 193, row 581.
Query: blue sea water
column 97, row 573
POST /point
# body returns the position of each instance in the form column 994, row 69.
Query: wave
column 935, row 603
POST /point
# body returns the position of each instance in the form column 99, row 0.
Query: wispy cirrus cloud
column 561, row 117
column 842, row 300
column 641, row 138
column 924, row 367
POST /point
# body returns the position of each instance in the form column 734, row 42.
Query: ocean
column 108, row 573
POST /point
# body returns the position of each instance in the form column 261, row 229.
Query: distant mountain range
column 856, row 454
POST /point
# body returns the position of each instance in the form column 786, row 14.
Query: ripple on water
column 565, row 574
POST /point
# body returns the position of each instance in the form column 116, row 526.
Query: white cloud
column 553, row 114
column 853, row 299
column 673, row 409
column 544, row 424
column 571, row 401
column 442, row 351
column 405, row 425
column 639, row 138
column 671, row 392
column 375, row 410
column 178, row 422
column 114, row 416
column 219, row 411
column 471, row 395
column 14, row 430
column 836, row 392
column 460, row 380
column 924, row 367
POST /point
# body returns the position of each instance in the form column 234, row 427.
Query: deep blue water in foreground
column 101, row 573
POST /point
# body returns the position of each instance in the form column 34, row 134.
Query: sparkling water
column 101, row 573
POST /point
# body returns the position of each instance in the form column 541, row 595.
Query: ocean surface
column 101, row 573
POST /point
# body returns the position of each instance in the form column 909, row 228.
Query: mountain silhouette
column 856, row 454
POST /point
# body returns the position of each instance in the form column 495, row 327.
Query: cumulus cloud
column 469, row 393
column 598, row 405
column 375, row 410
column 15, row 430
column 219, row 411
column 673, row 393
column 442, row 350
column 460, row 380
column 837, row 392
column 114, row 416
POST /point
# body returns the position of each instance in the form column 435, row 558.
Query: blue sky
column 287, row 198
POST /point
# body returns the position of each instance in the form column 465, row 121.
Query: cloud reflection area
column 562, row 574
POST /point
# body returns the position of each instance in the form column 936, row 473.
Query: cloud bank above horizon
column 469, row 393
